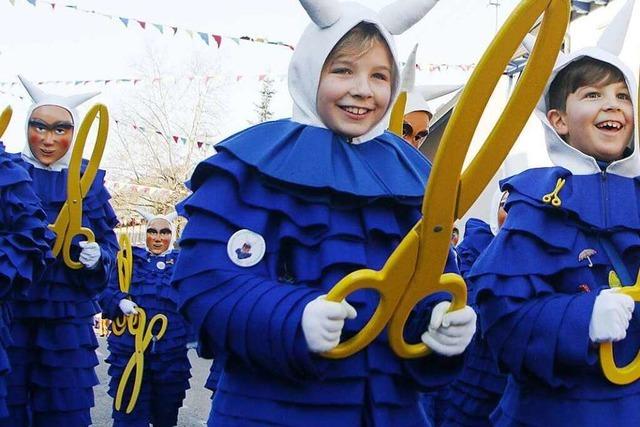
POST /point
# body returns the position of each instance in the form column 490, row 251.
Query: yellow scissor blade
column 5, row 118
column 397, row 114
column 441, row 205
column 510, row 124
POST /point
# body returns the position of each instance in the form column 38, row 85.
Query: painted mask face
column 598, row 120
column 355, row 91
column 158, row 236
column 416, row 127
column 50, row 133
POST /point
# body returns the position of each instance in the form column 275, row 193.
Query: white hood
column 331, row 21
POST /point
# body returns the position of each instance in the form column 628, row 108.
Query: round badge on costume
column 161, row 265
column 246, row 248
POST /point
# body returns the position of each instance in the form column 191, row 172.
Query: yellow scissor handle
column 68, row 223
column 631, row 372
column 125, row 263
column 441, row 207
column 143, row 334
column 5, row 118
column 397, row 114
column 390, row 292
column 553, row 198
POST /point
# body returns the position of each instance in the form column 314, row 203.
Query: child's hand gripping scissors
column 68, row 224
column 414, row 269
column 631, row 372
column 5, row 118
column 137, row 326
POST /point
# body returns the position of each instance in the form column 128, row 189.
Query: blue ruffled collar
column 314, row 157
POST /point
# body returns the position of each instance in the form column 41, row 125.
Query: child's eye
column 624, row 96
column 592, row 95
column 381, row 76
column 41, row 129
column 61, row 131
column 341, row 70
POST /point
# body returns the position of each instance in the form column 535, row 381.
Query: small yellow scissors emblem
column 414, row 269
column 5, row 118
column 68, row 224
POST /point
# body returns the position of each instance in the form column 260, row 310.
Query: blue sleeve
column 110, row 298
column 544, row 335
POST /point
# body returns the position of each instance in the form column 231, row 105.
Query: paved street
column 196, row 406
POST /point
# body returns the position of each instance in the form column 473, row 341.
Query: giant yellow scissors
column 414, row 269
column 137, row 326
column 68, row 224
column 5, row 118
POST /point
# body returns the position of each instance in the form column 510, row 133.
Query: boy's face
column 50, row 133
column 416, row 127
column 354, row 91
column 598, row 120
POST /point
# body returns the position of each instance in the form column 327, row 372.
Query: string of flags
column 117, row 186
column 175, row 138
column 208, row 38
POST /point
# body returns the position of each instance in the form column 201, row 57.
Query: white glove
column 90, row 254
column 610, row 317
column 449, row 334
column 322, row 323
column 127, row 307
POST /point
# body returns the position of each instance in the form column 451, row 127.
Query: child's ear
column 557, row 120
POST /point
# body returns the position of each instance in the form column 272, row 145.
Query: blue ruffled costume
column 325, row 208
column 53, row 356
column 166, row 367
column 536, row 291
column 472, row 397
column 24, row 250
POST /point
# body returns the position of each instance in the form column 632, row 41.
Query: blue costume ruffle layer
column 24, row 250
column 251, row 315
column 52, row 325
column 167, row 368
column 536, row 292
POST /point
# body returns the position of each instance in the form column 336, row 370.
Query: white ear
column 409, row 72
column 171, row 216
column 324, row 13
column 34, row 91
column 148, row 216
column 75, row 100
column 613, row 36
column 401, row 15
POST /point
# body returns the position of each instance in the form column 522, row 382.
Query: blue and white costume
column 538, row 281
column 24, row 250
column 277, row 218
column 166, row 367
column 53, row 355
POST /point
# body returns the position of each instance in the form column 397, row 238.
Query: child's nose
column 361, row 87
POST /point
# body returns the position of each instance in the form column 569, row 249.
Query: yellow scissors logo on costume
column 414, row 269
column 137, row 326
column 5, row 118
column 68, row 224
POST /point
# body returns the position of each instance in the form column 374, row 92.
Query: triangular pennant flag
column 135, row 81
column 205, row 37
column 199, row 144
column 33, row 2
column 71, row 6
column 217, row 38
column 238, row 77
column 159, row 27
column 175, row 30
column 53, row 6
column 175, row 139
column 125, row 21
column 190, row 33
column 235, row 39
column 141, row 128
column 143, row 24
column 183, row 140
column 13, row 2
column 261, row 77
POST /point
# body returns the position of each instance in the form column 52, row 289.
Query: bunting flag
column 118, row 186
column 161, row 27
column 201, row 142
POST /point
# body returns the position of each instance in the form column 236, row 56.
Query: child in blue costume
column 53, row 355
column 475, row 393
column 24, row 250
column 543, row 283
column 309, row 200
column 166, row 366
